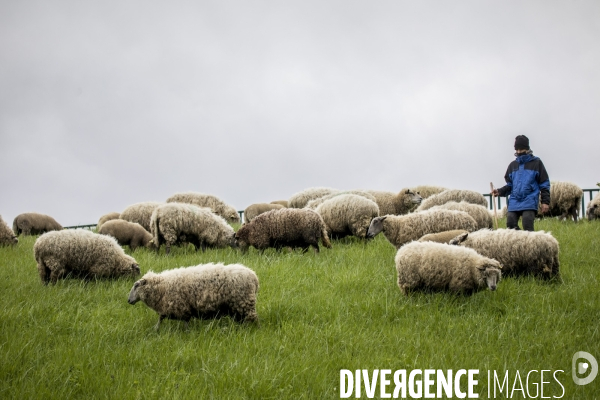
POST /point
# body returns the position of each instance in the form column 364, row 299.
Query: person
column 526, row 178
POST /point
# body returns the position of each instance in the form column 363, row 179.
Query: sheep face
column 134, row 294
column 376, row 226
column 492, row 275
column 593, row 212
column 130, row 267
column 242, row 238
column 415, row 197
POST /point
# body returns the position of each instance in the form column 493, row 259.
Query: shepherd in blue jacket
column 526, row 178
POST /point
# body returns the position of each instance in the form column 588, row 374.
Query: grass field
column 319, row 313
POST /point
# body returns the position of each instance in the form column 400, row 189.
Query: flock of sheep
column 444, row 241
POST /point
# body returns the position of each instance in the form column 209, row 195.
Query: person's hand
column 495, row 192
column 545, row 208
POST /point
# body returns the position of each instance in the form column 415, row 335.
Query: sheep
column 202, row 291
column 348, row 214
column 175, row 223
column 565, row 198
column 285, row 227
column 140, row 213
column 593, row 208
column 128, row 233
column 519, row 252
column 479, row 213
column 438, row 266
column 83, row 254
column 7, row 236
column 256, row 209
column 106, row 218
column 396, row 203
column 281, row 202
column 469, row 196
column 217, row 205
column 34, row 224
column 313, row 204
column 426, row 191
column 300, row 199
column 402, row 229
column 442, row 237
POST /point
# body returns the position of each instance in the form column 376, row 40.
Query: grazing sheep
column 7, row 236
column 106, row 218
column 259, row 208
column 348, row 214
column 519, row 252
column 313, row 204
column 457, row 195
column 202, row 291
column 128, row 233
column 140, row 213
column 402, row 229
column 437, row 266
column 281, row 202
column 175, row 223
column 565, row 198
column 34, row 224
column 593, row 208
column 426, row 191
column 217, row 205
column 479, row 213
column 396, row 203
column 442, row 237
column 83, row 254
column 291, row 227
column 300, row 199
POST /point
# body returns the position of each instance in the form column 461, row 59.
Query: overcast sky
column 105, row 104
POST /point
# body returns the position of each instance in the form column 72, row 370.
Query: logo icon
column 581, row 368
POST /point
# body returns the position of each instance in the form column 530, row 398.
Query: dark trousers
column 512, row 219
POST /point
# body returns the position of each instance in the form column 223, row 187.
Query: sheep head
column 134, row 294
column 376, row 226
column 491, row 273
column 459, row 239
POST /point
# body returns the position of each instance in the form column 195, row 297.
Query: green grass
column 319, row 313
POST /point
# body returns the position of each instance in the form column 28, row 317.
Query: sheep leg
column 157, row 326
column 167, row 249
column 44, row 272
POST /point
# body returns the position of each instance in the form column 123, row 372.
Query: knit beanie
column 521, row 143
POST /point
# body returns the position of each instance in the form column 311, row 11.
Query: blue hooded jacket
column 526, row 178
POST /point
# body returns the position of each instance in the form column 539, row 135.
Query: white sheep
column 438, row 266
column 457, row 195
column 313, row 204
column 217, row 205
column 593, row 208
column 175, row 223
column 300, row 199
column 480, row 214
column 107, row 217
column 201, row 291
column 256, row 209
column 400, row 203
column 519, row 252
column 405, row 228
column 7, row 236
column 140, row 213
column 348, row 214
column 127, row 233
column 565, row 199
column 82, row 254
column 34, row 224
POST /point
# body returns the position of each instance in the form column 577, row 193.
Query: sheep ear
column 459, row 239
column 142, row 282
column 383, row 218
column 482, row 267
